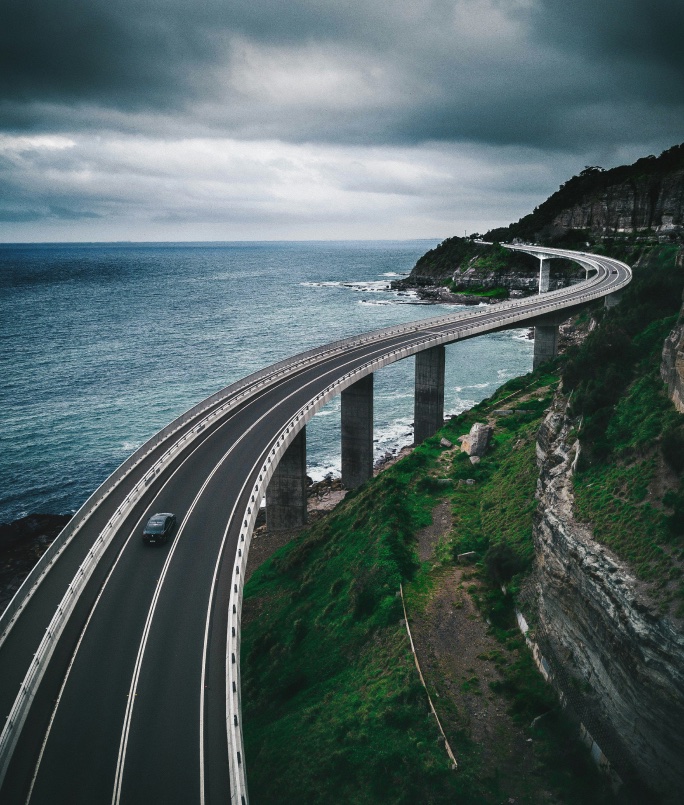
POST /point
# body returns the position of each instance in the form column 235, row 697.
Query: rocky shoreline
column 22, row 543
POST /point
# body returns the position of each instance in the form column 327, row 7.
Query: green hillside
column 333, row 707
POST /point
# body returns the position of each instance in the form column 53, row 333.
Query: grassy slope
column 333, row 708
column 629, row 484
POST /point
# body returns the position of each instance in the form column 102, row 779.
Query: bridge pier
column 544, row 274
column 612, row 299
column 545, row 343
column 546, row 336
column 429, row 393
column 286, row 493
column 357, row 433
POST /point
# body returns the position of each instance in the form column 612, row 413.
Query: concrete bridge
column 119, row 662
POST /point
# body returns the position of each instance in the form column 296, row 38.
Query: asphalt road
column 132, row 706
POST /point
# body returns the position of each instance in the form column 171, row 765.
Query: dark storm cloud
column 627, row 31
column 540, row 73
column 220, row 119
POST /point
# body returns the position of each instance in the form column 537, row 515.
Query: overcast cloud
column 316, row 119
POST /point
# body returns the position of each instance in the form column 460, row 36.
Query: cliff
column 672, row 367
column 645, row 197
column 672, row 363
column 607, row 599
column 463, row 267
column 618, row 661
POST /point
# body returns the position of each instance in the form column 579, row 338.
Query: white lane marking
column 125, row 545
column 133, row 533
column 150, row 614
column 73, row 658
column 405, row 340
column 116, row 797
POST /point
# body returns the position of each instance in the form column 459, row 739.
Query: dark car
column 159, row 527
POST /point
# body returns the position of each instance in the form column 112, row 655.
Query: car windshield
column 155, row 527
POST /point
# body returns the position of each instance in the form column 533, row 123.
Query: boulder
column 476, row 442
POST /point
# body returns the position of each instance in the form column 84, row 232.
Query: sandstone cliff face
column 672, row 367
column 527, row 282
column 614, row 657
column 646, row 202
column 672, row 364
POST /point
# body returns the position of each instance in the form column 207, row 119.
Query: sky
column 319, row 119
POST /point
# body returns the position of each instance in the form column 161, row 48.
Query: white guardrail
column 238, row 774
column 233, row 396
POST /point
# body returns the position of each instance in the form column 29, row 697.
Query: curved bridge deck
column 120, row 662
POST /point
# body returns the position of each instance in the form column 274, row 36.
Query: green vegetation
column 444, row 259
column 458, row 254
column 586, row 186
column 478, row 290
column 629, row 484
column 493, row 258
column 333, row 708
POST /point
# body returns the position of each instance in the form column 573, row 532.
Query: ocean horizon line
column 215, row 242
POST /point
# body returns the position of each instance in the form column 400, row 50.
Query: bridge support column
column 357, row 433
column 286, row 493
column 545, row 343
column 544, row 274
column 612, row 299
column 429, row 393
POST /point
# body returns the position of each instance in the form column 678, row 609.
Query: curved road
column 116, row 692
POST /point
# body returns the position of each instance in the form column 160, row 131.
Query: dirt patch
column 459, row 660
column 429, row 537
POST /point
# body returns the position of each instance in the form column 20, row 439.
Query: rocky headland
column 645, row 198
column 644, row 201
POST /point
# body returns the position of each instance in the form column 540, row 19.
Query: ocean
column 104, row 344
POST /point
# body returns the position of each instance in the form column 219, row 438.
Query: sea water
column 104, row 344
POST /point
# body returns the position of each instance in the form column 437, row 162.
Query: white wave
column 393, row 274
column 459, row 406
column 318, row 471
column 474, row 386
column 392, row 437
column 397, row 394
column 374, row 286
column 522, row 335
column 129, row 447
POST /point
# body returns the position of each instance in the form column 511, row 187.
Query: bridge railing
column 239, row 391
column 238, row 773
column 213, row 408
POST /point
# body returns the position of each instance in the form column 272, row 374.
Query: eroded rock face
column 672, row 366
column 649, row 202
column 527, row 282
column 626, row 660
